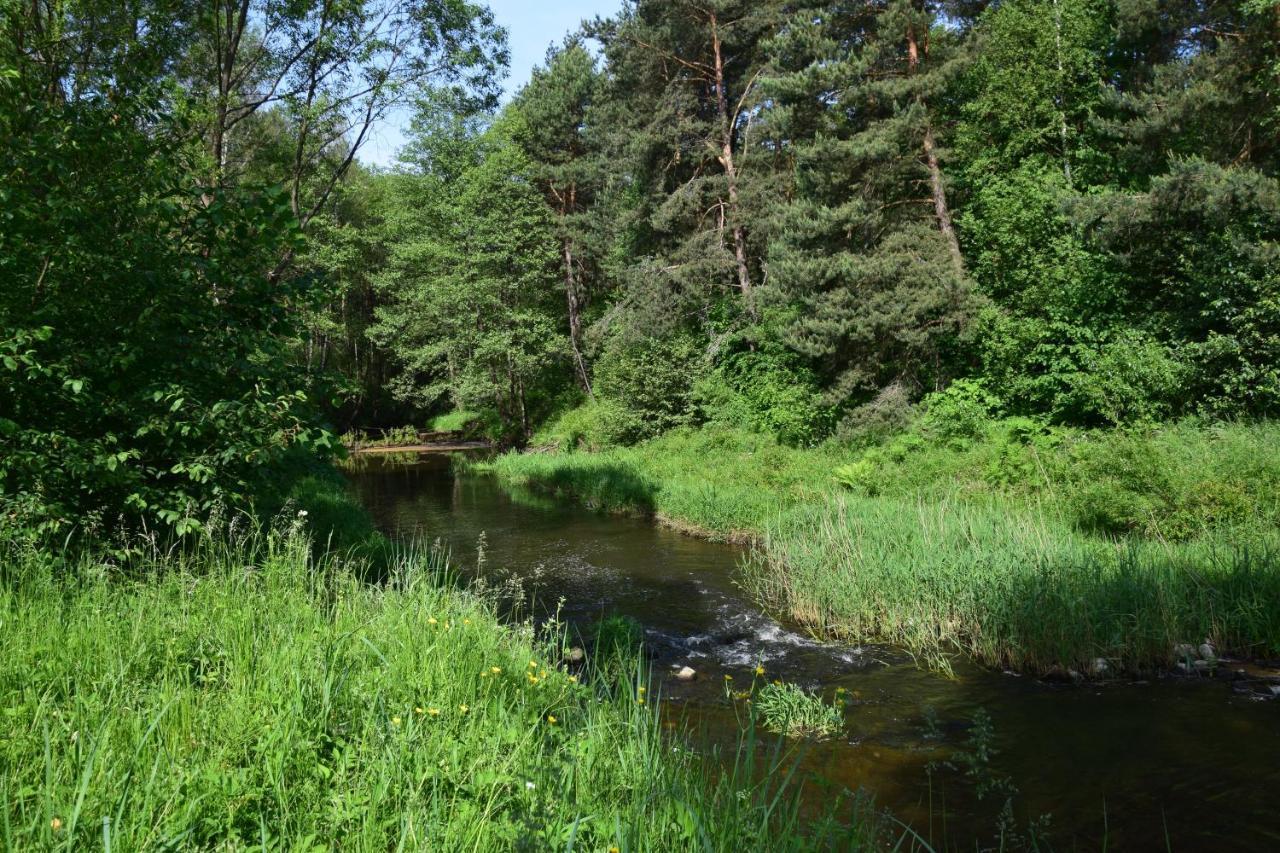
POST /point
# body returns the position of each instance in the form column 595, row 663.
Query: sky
column 532, row 27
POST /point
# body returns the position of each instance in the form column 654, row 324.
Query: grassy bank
column 254, row 696
column 1024, row 548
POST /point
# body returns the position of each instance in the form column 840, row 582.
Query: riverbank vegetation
column 966, row 313
column 243, row 691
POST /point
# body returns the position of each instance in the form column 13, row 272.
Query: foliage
column 595, row 425
column 471, row 278
column 988, row 545
column 146, row 374
column 767, row 389
column 787, row 709
column 653, row 379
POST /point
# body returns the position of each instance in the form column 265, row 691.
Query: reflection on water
column 1124, row 762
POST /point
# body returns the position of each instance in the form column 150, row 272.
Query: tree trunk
column 730, row 169
column 575, row 319
column 936, row 183
column 573, row 297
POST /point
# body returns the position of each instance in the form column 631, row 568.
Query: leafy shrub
column 768, row 390
column 786, row 709
column 861, row 476
column 1022, row 449
column 961, row 412
column 594, row 426
column 653, row 378
column 1128, row 379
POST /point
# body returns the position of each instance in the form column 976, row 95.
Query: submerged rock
column 575, row 655
column 686, row 674
column 1099, row 667
column 1207, row 652
column 1182, row 651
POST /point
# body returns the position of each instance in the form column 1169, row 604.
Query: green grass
column 1024, row 547
column 403, row 436
column 458, row 421
column 249, row 695
column 1012, row 588
column 787, row 709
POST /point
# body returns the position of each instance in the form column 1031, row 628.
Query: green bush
column 595, row 425
column 960, row 413
column 768, row 390
column 653, row 379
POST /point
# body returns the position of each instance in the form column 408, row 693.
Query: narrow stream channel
column 1120, row 764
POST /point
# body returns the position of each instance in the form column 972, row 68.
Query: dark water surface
column 1121, row 764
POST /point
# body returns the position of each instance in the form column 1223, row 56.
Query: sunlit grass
column 250, row 695
column 945, row 560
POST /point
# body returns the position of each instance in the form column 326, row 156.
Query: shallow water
column 1122, row 764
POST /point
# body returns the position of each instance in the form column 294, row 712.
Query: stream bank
column 1122, row 760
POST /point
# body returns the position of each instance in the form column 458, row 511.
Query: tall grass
column 1006, row 547
column 1013, row 588
column 249, row 695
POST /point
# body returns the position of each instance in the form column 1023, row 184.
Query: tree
column 683, row 76
column 865, row 269
column 334, row 69
column 144, row 376
column 554, row 114
column 472, row 278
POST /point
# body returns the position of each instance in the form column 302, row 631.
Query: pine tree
column 867, row 267
column 552, row 128
column 682, row 81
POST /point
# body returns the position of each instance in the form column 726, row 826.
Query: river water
column 1122, row 765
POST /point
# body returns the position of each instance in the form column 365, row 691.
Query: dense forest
column 964, row 315
column 805, row 217
column 798, row 218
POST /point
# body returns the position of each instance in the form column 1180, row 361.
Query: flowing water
column 1123, row 765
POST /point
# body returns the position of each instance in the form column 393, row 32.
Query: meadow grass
column 1031, row 555
column 247, row 694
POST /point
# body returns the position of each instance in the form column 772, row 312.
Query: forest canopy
column 801, row 217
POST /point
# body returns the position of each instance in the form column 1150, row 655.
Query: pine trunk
column 936, row 183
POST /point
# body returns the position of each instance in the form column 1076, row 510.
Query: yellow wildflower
column 728, row 677
column 614, row 849
column 395, row 721
column 431, row 620
column 55, row 824
column 640, row 690
column 418, row 711
column 463, row 708
column 759, row 669
column 533, row 664
column 466, row 621
column 435, row 712
column 573, row 679
column 495, row 669
column 551, row 719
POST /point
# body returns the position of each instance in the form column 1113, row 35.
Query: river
column 1123, row 765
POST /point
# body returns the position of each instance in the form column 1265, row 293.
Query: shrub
column 653, row 378
column 960, row 413
column 596, row 425
column 767, row 390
